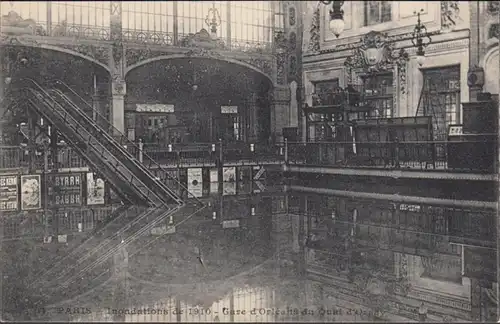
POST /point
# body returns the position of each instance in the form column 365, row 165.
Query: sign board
column 9, row 192
column 258, row 172
column 231, row 223
column 95, row 190
column 31, row 195
column 229, row 174
column 229, row 109
column 195, row 182
column 158, row 108
column 456, row 130
column 65, row 189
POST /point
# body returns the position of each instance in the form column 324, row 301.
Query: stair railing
column 124, row 139
column 64, row 117
column 118, row 147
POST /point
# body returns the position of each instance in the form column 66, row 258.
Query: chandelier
column 419, row 35
column 337, row 24
column 213, row 20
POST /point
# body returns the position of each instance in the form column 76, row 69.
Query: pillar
column 281, row 111
column 117, row 63
column 474, row 49
column 118, row 112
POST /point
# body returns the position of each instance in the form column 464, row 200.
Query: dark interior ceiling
column 213, row 78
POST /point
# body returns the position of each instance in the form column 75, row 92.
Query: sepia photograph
column 249, row 161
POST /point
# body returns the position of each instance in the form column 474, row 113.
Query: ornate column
column 118, row 86
column 475, row 75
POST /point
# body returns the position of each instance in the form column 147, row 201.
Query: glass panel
column 443, row 88
column 251, row 22
column 75, row 13
column 148, row 16
column 379, row 94
column 377, row 12
column 26, row 9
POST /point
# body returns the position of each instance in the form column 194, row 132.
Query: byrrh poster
column 95, row 190
column 195, row 182
column 31, row 196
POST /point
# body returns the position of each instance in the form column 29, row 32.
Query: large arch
column 74, row 53
column 183, row 56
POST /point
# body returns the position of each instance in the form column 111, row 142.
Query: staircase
column 130, row 179
column 154, row 201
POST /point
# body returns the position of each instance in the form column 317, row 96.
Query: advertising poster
column 214, row 175
column 8, row 192
column 195, row 182
column 95, row 190
column 229, row 188
column 31, row 195
column 64, row 190
column 229, row 174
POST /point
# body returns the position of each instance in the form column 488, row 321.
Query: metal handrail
column 32, row 91
column 120, row 148
column 124, row 138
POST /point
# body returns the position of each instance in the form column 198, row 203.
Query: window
column 324, row 92
column 148, row 16
column 378, row 89
column 441, row 98
column 377, row 12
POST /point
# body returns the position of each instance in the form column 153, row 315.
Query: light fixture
column 337, row 23
column 213, row 20
column 419, row 34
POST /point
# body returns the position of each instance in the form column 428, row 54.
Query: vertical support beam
column 474, row 46
column 228, row 27
column 175, row 37
column 117, row 62
column 53, row 145
column 49, row 17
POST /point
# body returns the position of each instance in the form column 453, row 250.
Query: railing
column 391, row 155
column 122, row 139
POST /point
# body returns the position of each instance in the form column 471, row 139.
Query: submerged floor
column 260, row 255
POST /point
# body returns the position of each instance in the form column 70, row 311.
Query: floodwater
column 260, row 253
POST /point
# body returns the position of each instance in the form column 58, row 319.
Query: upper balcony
column 246, row 26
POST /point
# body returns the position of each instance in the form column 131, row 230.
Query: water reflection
column 257, row 256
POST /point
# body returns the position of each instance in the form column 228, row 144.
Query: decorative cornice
column 136, row 55
column 98, row 53
column 266, row 66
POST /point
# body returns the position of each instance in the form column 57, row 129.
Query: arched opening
column 197, row 100
column 90, row 80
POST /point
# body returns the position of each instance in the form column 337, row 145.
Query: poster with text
column 8, row 192
column 214, row 175
column 31, row 194
column 229, row 174
column 64, row 190
column 195, row 182
column 95, row 190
